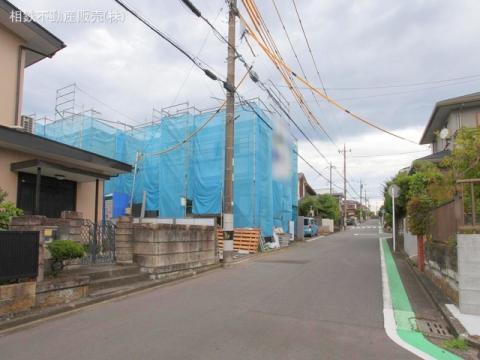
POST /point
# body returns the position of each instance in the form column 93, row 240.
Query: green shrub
column 65, row 250
column 7, row 210
column 458, row 343
column 418, row 210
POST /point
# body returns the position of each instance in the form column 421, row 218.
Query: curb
column 398, row 312
column 455, row 327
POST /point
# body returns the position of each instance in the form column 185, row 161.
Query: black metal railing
column 18, row 255
column 99, row 242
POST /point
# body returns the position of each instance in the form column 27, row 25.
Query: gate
column 99, row 242
column 18, row 255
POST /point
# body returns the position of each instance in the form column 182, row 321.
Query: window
column 189, row 207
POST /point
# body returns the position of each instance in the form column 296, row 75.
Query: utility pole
column 344, row 151
column 367, row 204
column 229, row 140
column 331, row 184
column 361, row 209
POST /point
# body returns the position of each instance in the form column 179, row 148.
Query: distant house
column 351, row 207
column 447, row 118
column 41, row 176
column 304, row 188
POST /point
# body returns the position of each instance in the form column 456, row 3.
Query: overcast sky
column 371, row 55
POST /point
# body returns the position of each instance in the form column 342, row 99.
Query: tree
column 402, row 180
column 329, row 207
column 324, row 205
column 7, row 210
column 306, row 204
column 465, row 158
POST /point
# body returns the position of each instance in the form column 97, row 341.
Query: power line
column 309, row 47
column 406, row 84
column 219, row 35
column 261, row 27
column 106, row 105
column 407, row 91
column 314, row 169
column 197, row 62
column 280, row 63
column 393, row 154
column 268, row 39
column 298, row 61
column 198, row 54
column 197, row 12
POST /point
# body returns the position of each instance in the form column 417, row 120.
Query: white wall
column 468, row 250
column 409, row 241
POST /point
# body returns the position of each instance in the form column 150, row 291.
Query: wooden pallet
column 243, row 239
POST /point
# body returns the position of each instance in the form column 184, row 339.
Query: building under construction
column 179, row 163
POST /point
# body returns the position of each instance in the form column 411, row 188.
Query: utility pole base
column 227, row 247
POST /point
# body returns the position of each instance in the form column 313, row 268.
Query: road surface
column 317, row 300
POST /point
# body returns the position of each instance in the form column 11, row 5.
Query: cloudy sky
column 388, row 60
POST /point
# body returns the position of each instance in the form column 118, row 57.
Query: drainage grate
column 433, row 328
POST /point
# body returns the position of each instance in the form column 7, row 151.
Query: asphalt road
column 317, row 300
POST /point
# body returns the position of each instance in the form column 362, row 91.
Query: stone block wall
column 46, row 233
column 61, row 291
column 166, row 248
column 69, row 225
column 124, row 240
column 16, row 298
column 468, row 247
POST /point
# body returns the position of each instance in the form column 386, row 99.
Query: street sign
column 394, row 191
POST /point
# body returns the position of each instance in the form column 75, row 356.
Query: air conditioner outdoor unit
column 26, row 122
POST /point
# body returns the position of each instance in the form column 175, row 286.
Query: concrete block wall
column 166, row 248
column 468, row 251
column 329, row 224
column 409, row 241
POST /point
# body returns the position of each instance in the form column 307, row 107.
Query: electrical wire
column 197, row 55
column 309, row 47
column 394, row 154
column 264, row 33
column 372, row 87
column 106, row 105
column 200, row 128
column 197, row 62
column 280, row 63
column 198, row 13
column 267, row 38
column 298, row 60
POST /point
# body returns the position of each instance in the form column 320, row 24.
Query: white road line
column 388, row 314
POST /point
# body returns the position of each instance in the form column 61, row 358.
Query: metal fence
column 470, row 211
column 99, row 241
column 18, row 255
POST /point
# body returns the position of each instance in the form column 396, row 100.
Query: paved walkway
column 317, row 300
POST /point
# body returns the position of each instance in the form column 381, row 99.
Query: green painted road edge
column 403, row 313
